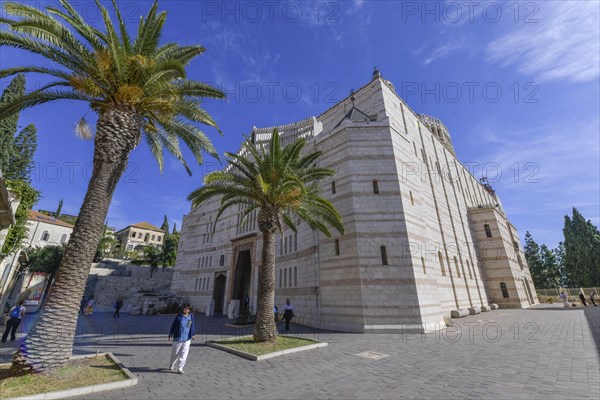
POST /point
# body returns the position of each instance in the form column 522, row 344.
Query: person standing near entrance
column 183, row 331
column 582, row 297
column 592, row 299
column 16, row 315
column 288, row 313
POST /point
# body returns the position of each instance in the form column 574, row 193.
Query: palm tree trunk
column 264, row 328
column 49, row 345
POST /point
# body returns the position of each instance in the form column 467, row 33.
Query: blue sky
column 517, row 85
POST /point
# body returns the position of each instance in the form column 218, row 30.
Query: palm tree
column 138, row 88
column 279, row 183
column 152, row 256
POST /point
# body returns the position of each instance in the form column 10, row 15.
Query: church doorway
column 242, row 277
column 219, row 292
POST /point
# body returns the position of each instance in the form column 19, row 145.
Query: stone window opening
column 423, row 264
column 295, row 276
column 280, row 277
column 290, row 277
column 469, row 269
column 442, row 263
column 488, row 231
column 504, row 290
column 63, row 238
column 375, row 186
column 146, row 237
column 333, row 187
column 384, row 258
column 45, row 236
column 132, row 234
column 456, row 265
column 285, row 277
column 222, row 260
column 412, row 201
column 337, row 247
column 159, row 238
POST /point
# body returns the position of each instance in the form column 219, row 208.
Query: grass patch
column 246, row 344
column 77, row 373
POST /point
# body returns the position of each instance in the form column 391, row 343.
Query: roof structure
column 39, row 217
column 143, row 225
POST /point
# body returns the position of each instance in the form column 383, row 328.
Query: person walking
column 592, row 294
column 82, row 305
column 16, row 315
column 582, row 298
column 288, row 313
column 89, row 308
column 118, row 306
column 183, row 331
column 564, row 299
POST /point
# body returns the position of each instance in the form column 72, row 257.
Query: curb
column 131, row 380
column 254, row 357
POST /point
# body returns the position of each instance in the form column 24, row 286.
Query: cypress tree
column 24, row 147
column 534, row 260
column 165, row 226
column 550, row 269
column 8, row 126
column 59, row 209
column 582, row 251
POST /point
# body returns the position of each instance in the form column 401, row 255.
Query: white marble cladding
column 410, row 254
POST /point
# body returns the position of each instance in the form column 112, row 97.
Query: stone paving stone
column 558, row 359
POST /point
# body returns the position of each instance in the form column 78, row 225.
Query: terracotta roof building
column 137, row 236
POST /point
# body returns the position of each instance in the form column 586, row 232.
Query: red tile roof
column 38, row 216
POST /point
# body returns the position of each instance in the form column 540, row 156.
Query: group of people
column 565, row 300
column 86, row 307
column 288, row 313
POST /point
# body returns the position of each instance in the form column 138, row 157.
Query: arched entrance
column 219, row 292
column 242, row 277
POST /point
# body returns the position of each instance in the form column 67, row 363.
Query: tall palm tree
column 279, row 183
column 139, row 89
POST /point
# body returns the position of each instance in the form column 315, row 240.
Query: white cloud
column 444, row 50
column 564, row 43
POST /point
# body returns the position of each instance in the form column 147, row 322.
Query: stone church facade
column 423, row 236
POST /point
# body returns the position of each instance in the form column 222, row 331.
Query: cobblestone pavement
column 544, row 352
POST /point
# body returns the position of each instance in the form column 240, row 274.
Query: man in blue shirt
column 183, row 331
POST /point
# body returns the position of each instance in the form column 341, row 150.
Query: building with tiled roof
column 45, row 230
column 137, row 236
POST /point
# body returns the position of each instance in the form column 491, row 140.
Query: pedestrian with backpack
column 16, row 315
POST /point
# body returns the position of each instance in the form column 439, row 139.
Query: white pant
column 179, row 353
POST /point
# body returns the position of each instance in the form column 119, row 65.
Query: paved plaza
column 544, row 352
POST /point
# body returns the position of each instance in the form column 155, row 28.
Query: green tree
column 139, row 90
column 8, row 124
column 279, row 184
column 550, row 268
column 152, row 256
column 28, row 196
column 581, row 251
column 169, row 249
column 59, row 209
column 24, row 146
column 45, row 259
column 534, row 260
column 559, row 253
column 165, row 226
column 174, row 229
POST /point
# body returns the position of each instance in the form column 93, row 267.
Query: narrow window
column 285, row 277
column 147, row 237
column 456, row 265
column 132, row 234
column 290, row 243
column 159, row 238
column 281, row 246
column 442, row 263
column 488, row 231
column 375, row 186
column 290, row 277
column 412, row 201
column 295, row 276
column 207, row 283
column 337, row 247
column 504, row 290
column 45, row 236
column 423, row 264
column 520, row 261
column 333, row 187
column 296, row 241
column 280, row 277
column 222, row 260
column 210, row 262
column 153, row 237
column 63, row 238
column 199, row 262
column 384, row 259
column 285, row 245
column 469, row 269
